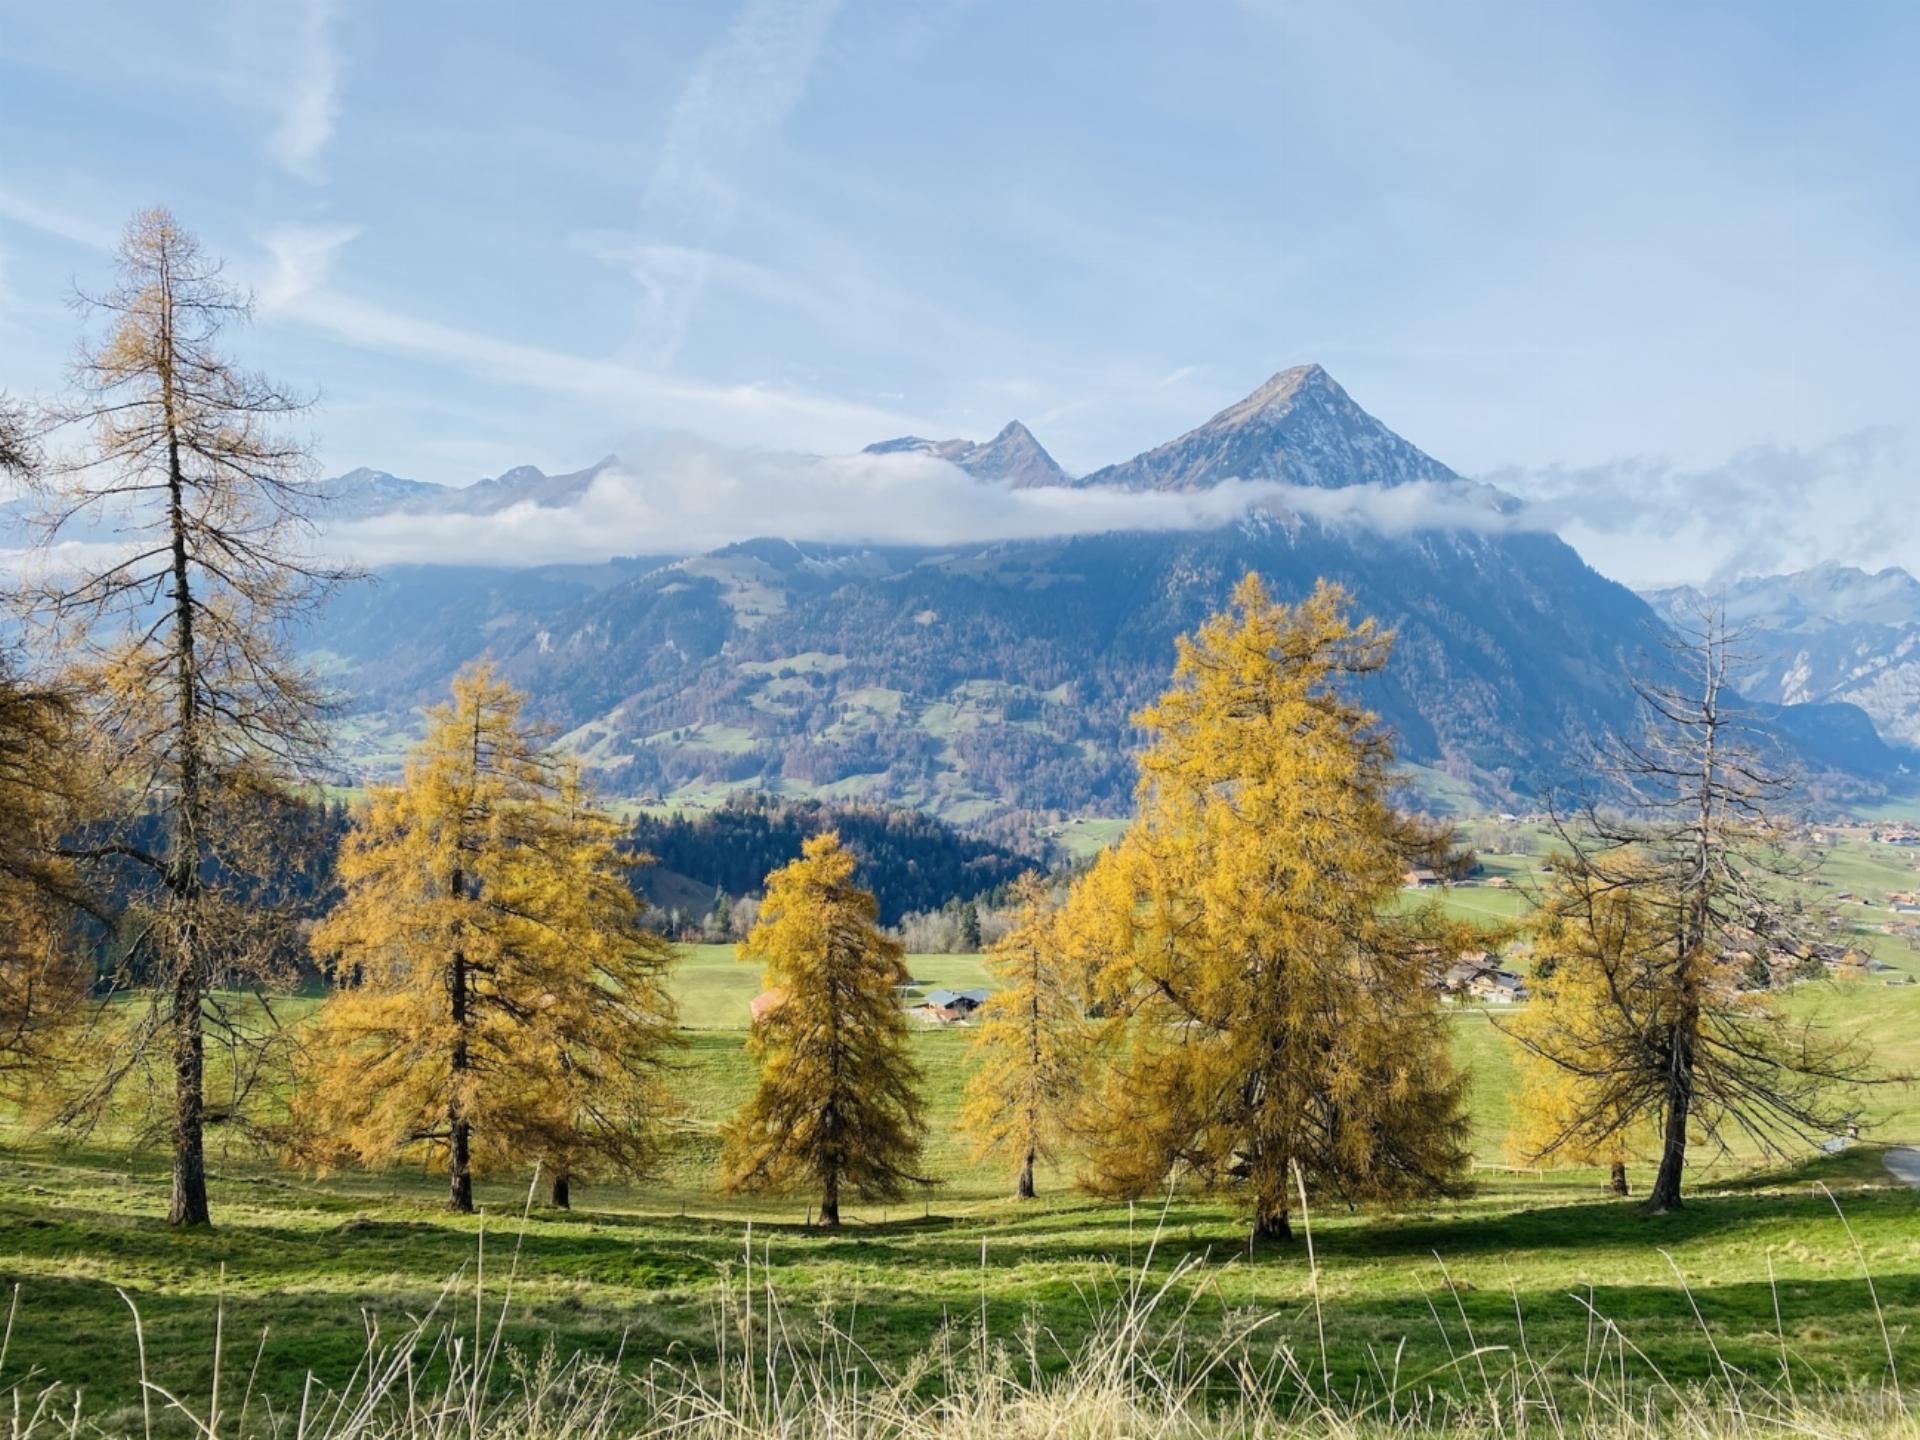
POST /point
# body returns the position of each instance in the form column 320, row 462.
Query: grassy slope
column 309, row 1256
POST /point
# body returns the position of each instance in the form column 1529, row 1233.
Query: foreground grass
column 1159, row 1358
column 300, row 1270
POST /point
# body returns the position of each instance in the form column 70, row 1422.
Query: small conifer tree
column 838, row 1104
column 1032, row 1046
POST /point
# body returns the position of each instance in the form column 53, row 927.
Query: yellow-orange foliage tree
column 44, row 974
column 607, row 1029
column 838, row 1103
column 197, row 709
column 1032, row 1048
column 497, row 999
column 1271, row 1002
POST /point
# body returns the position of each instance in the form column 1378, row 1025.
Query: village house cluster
column 1477, row 976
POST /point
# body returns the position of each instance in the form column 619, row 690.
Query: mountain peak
column 1283, row 391
column 1300, row 427
column 1013, row 457
column 1283, row 385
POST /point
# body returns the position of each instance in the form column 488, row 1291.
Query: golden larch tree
column 1032, row 1048
column 179, row 634
column 497, row 1000
column 605, row 1029
column 838, row 1103
column 1271, row 1003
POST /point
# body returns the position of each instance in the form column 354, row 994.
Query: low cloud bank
column 1762, row 510
column 687, row 498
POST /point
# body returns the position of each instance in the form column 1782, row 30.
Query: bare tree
column 181, row 634
column 1669, row 891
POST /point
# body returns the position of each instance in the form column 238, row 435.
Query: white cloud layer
column 1763, row 510
column 685, row 497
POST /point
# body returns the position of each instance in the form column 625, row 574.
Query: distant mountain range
column 362, row 493
column 974, row 679
column 1830, row 634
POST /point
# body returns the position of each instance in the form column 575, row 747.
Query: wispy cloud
column 737, row 97
column 684, row 497
column 303, row 257
column 754, row 413
column 313, row 102
column 673, row 277
column 37, row 214
column 741, row 91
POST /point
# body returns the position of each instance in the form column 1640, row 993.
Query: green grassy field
column 310, row 1262
column 302, row 1267
column 714, row 985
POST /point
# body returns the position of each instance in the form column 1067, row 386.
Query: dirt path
column 1904, row 1162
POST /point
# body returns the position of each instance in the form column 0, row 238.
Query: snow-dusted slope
column 1833, row 633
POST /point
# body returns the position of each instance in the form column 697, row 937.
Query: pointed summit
column 1300, row 428
column 1013, row 457
column 1281, row 388
column 1017, row 458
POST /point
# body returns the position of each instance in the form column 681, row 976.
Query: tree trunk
column 562, row 1192
column 1270, row 1220
column 189, row 1205
column 459, row 1128
column 460, row 1169
column 189, row 1066
column 1618, row 1182
column 830, row 1203
column 1665, row 1195
column 1026, row 1177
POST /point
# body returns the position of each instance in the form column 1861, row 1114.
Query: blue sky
column 1649, row 259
